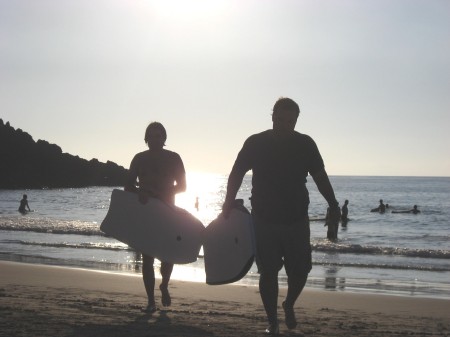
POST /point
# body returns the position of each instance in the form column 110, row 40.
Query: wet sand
column 37, row 300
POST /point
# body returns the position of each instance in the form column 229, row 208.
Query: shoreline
column 42, row 300
column 320, row 278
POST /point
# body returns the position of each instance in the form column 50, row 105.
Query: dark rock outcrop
column 25, row 163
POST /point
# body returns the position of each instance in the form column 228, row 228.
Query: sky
column 372, row 78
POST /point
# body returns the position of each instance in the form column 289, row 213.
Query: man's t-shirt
column 280, row 168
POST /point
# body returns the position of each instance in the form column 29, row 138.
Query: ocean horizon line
column 195, row 172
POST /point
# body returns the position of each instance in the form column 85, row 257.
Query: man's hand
column 143, row 197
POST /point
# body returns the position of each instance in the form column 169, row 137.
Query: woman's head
column 155, row 135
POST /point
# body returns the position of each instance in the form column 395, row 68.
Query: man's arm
column 333, row 212
column 323, row 184
column 241, row 165
column 233, row 185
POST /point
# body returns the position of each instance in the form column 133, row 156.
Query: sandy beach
column 38, row 300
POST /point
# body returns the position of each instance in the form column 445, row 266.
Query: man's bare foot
column 289, row 315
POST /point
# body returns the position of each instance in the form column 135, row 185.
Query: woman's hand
column 143, row 197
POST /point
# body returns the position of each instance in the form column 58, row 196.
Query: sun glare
column 204, row 195
column 188, row 9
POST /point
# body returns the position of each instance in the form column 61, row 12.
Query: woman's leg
column 166, row 272
column 148, row 275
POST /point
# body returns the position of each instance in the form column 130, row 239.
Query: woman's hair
column 157, row 126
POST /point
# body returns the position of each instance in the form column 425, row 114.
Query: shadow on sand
column 157, row 324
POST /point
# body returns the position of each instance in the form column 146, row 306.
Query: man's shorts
column 280, row 244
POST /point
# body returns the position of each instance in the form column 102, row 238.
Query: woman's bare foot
column 165, row 296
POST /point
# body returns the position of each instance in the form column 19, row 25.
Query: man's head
column 155, row 135
column 284, row 116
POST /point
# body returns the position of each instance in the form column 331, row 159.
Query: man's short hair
column 285, row 103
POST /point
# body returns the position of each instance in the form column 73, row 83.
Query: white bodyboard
column 229, row 248
column 169, row 233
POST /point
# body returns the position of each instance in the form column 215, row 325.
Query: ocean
column 391, row 253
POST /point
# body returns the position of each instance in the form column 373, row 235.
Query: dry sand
column 38, row 300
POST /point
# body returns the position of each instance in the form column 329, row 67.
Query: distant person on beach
column 196, row 203
column 281, row 159
column 344, row 214
column 381, row 208
column 24, row 204
column 414, row 210
column 159, row 173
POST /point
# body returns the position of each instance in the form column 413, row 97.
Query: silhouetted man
column 281, row 159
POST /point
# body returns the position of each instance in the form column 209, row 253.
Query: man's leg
column 166, row 272
column 269, row 261
column 268, row 289
column 298, row 264
column 295, row 288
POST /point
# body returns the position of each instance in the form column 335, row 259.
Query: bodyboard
column 229, row 248
column 169, row 233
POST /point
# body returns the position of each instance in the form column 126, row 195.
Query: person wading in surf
column 24, row 204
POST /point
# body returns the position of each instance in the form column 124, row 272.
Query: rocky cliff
column 27, row 164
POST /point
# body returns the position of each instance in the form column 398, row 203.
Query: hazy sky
column 372, row 78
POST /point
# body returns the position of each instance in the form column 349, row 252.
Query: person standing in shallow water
column 344, row 214
column 332, row 227
column 381, row 208
column 159, row 173
column 281, row 159
column 24, row 204
column 196, row 205
column 414, row 210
